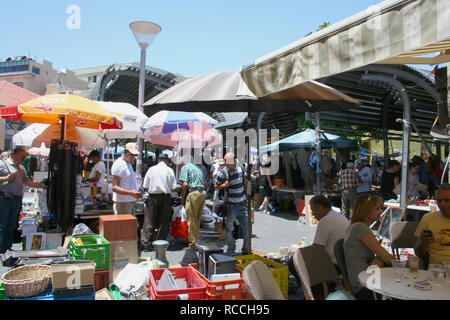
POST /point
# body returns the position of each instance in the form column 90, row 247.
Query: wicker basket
column 27, row 281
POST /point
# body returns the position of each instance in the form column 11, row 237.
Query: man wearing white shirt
column 331, row 226
column 124, row 184
column 160, row 182
column 97, row 175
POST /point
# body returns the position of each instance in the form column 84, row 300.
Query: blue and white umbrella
column 171, row 127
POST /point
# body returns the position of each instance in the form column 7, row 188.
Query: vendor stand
column 300, row 142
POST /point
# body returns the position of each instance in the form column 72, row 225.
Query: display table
column 381, row 280
column 95, row 214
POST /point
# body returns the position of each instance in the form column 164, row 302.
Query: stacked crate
column 116, row 229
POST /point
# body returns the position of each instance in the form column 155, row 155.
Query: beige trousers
column 195, row 202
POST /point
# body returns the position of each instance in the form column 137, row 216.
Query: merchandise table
column 95, row 214
column 381, row 280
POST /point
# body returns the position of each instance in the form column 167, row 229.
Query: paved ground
column 269, row 233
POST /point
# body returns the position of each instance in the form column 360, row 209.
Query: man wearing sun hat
column 125, row 189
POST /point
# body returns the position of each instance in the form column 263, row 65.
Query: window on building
column 7, row 69
column 36, row 70
column 92, row 79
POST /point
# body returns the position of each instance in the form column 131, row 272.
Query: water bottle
column 119, row 260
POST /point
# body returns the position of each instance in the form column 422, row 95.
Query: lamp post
column 144, row 32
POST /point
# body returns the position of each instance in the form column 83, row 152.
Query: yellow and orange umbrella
column 75, row 111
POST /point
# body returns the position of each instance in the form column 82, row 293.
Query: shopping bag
column 179, row 223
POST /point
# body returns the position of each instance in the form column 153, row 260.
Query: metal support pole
column 386, row 137
column 317, row 124
column 140, row 141
column 406, row 129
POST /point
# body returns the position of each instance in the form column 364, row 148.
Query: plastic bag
column 132, row 279
column 340, row 295
column 81, row 228
column 179, row 223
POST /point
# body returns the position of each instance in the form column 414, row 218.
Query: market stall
column 298, row 162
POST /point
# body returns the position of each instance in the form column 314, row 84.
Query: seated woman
column 361, row 248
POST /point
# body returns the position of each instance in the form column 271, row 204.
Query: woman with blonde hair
column 361, row 248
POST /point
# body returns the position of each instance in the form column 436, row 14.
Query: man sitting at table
column 332, row 226
column 435, row 245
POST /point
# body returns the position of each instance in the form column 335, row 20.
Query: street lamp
column 144, row 32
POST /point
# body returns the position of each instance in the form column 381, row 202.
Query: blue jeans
column 9, row 215
column 240, row 213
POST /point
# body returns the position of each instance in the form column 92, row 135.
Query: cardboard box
column 73, row 274
column 120, row 227
column 131, row 249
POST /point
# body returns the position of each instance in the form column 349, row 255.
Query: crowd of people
column 358, row 177
column 195, row 183
column 226, row 182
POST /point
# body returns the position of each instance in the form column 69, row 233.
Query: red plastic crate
column 196, row 288
column 101, row 279
column 220, row 290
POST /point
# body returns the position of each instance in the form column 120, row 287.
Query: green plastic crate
column 2, row 292
column 95, row 248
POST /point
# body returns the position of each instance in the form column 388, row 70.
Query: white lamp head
column 144, row 32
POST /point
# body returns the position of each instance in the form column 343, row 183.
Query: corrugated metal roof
column 373, row 97
column 120, row 83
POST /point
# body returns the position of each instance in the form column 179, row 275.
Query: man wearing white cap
column 364, row 177
column 124, row 184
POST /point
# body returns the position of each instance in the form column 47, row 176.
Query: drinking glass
column 399, row 268
column 439, row 277
column 433, row 270
column 413, row 264
column 448, row 275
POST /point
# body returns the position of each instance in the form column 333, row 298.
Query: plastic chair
column 402, row 236
column 314, row 266
column 260, row 283
column 340, row 257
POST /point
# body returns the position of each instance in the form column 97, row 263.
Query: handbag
column 221, row 203
column 179, row 223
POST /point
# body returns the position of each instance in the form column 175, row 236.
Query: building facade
column 29, row 74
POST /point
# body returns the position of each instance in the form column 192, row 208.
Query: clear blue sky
column 197, row 37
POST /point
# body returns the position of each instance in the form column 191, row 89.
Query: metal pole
column 386, row 137
column 317, row 124
column 406, row 129
column 140, row 141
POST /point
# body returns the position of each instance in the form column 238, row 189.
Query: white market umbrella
column 131, row 117
column 41, row 151
column 37, row 133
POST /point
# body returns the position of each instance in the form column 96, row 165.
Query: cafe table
column 381, row 280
